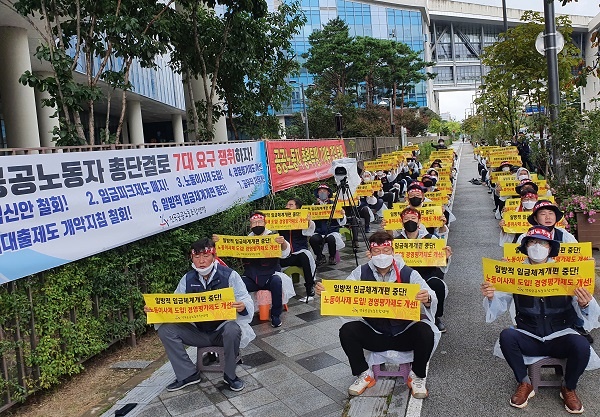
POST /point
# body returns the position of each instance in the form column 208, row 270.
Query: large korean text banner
column 57, row 208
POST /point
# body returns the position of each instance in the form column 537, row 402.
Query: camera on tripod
column 345, row 173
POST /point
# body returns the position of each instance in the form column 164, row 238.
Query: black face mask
column 415, row 201
column 428, row 183
column 410, row 226
column 258, row 230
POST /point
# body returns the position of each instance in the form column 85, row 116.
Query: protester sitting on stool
column 208, row 275
column 324, row 234
column 263, row 273
column 300, row 256
column 544, row 325
column 380, row 334
column 433, row 275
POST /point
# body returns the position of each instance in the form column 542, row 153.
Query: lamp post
column 304, row 113
column 392, row 124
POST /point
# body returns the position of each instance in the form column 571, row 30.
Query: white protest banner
column 57, row 208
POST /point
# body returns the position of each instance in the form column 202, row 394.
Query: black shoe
column 332, row 258
column 440, row 325
column 190, row 380
column 585, row 334
column 209, row 359
column 235, row 384
column 321, row 260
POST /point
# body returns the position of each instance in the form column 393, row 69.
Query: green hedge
column 81, row 308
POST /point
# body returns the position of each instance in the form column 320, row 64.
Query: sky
column 457, row 102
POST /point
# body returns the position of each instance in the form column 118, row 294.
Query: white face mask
column 382, row 261
column 203, row 271
column 538, row 253
column 505, row 169
column 523, row 177
column 528, row 205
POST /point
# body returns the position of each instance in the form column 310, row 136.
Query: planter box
column 588, row 232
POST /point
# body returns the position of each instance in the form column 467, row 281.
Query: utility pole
column 305, row 114
column 551, row 51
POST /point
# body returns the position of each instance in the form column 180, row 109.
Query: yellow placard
column 516, row 222
column 496, row 175
column 286, row 219
column 439, row 197
column 569, row 252
column 495, row 160
column 430, row 217
column 370, row 299
column 421, row 252
column 410, row 148
column 556, row 278
column 513, row 203
column 508, row 150
column 191, row 308
column 377, row 165
column 248, row 246
column 364, row 190
column 322, row 212
column 508, row 186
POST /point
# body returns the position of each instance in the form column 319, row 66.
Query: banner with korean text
column 248, row 246
column 542, row 280
column 286, row 219
column 190, row 308
column 569, row 252
column 431, row 216
column 295, row 162
column 370, row 299
column 57, row 208
column 323, row 211
column 421, row 252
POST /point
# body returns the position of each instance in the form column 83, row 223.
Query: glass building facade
column 403, row 25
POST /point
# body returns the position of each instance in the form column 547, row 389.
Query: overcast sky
column 457, row 102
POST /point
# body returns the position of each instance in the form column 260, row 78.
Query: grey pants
column 175, row 335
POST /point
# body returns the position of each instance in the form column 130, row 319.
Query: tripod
column 344, row 191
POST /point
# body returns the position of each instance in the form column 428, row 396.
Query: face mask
column 415, row 201
column 428, row 183
column 528, row 205
column 382, row 261
column 410, row 226
column 538, row 253
column 506, row 169
column 203, row 271
column 258, row 230
column 434, row 180
column 523, row 177
column 323, row 196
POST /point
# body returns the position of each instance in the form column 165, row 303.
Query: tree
column 256, row 64
column 200, row 38
column 516, row 65
column 435, row 126
column 331, row 56
column 113, row 31
column 405, row 68
column 368, row 63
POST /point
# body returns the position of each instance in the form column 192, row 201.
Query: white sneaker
column 364, row 381
column 417, row 386
column 306, row 299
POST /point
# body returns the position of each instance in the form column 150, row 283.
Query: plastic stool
column 344, row 231
column 535, row 372
column 264, row 301
column 219, row 365
column 292, row 271
column 403, row 371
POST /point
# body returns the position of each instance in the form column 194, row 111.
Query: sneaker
column 585, row 334
column 417, row 386
column 275, row 321
column 307, row 299
column 441, row 327
column 332, row 260
column 321, row 260
column 364, row 381
column 572, row 403
column 190, row 380
column 234, row 384
column 209, row 359
column 523, row 393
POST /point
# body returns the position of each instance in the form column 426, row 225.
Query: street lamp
column 304, row 113
column 383, row 103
